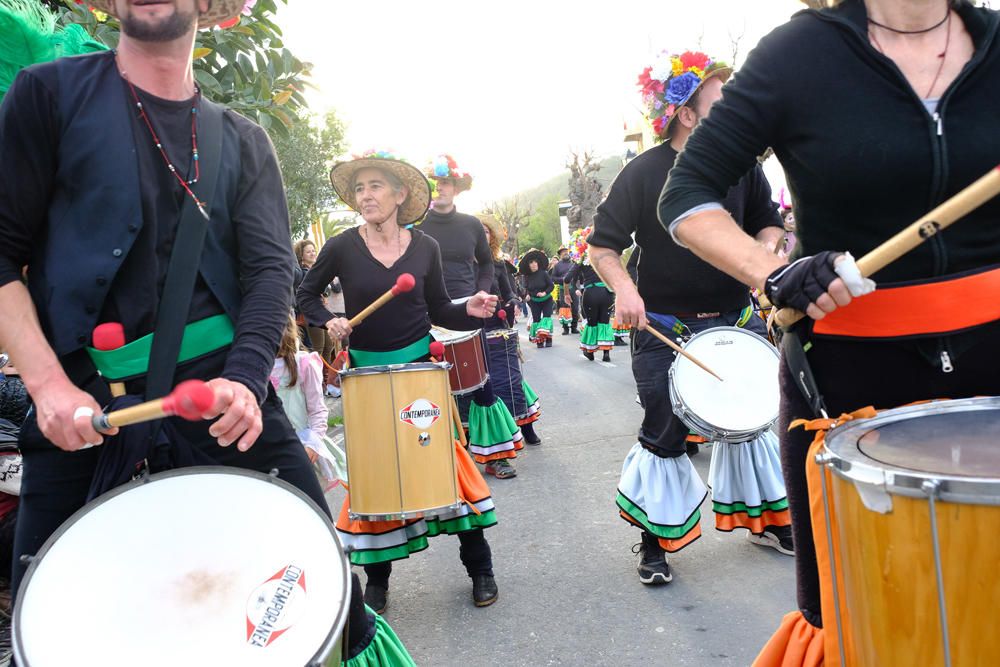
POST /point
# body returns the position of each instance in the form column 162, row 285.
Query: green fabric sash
column 594, row 285
column 539, row 299
column 132, row 359
column 404, row 355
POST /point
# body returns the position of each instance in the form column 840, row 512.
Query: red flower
column 644, row 79
column 694, row 59
column 230, row 23
column 658, row 124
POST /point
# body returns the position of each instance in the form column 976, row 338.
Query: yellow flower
column 700, row 73
column 100, row 16
column 678, row 66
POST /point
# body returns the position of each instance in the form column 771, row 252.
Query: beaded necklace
column 185, row 183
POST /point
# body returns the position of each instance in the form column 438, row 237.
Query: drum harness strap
column 794, row 353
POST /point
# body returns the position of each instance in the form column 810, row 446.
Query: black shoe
column 574, row 330
column 565, row 330
column 588, row 354
column 653, row 568
column 619, row 342
column 693, row 448
column 541, row 344
column 548, row 342
column 776, row 537
column 377, row 598
column 484, row 590
column 530, row 437
column 607, row 356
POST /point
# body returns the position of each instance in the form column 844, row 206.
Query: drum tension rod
column 932, row 487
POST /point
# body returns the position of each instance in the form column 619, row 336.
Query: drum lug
column 273, row 472
column 424, row 439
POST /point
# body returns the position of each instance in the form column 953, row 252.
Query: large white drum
column 741, row 407
column 200, row 566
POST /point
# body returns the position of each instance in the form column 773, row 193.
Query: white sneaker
column 332, row 391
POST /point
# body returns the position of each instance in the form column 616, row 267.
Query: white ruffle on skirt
column 748, row 489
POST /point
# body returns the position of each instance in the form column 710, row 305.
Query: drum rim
column 460, row 336
column 396, row 368
column 341, row 619
column 841, row 453
column 704, row 428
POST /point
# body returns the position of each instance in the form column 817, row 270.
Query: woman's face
column 377, row 201
column 532, row 266
column 308, row 255
column 488, row 236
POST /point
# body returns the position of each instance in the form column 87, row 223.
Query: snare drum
column 741, row 407
column 914, row 509
column 464, row 351
column 398, row 435
column 198, row 566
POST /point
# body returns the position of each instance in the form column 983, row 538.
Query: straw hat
column 444, row 166
column 413, row 207
column 218, row 12
column 671, row 81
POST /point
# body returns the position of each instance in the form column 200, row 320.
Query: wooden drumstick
column 952, row 210
column 189, row 400
column 404, row 283
column 437, row 352
column 110, row 336
column 680, row 350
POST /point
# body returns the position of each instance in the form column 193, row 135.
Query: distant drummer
column 681, row 295
column 494, row 437
column 391, row 194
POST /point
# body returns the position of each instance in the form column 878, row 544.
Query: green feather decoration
column 30, row 36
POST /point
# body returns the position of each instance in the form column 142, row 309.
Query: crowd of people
column 127, row 198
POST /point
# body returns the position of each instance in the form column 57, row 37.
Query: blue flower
column 681, row 87
column 441, row 170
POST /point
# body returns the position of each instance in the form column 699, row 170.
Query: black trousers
column 541, row 309
column 597, row 302
column 473, row 549
column 55, row 483
column 854, row 374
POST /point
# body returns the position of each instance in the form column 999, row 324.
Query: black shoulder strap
column 175, row 301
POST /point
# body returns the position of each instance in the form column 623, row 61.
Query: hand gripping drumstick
column 189, row 400
column 110, row 336
column 952, row 210
column 437, row 353
column 680, row 350
column 404, row 283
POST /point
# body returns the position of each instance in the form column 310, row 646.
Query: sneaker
column 484, row 590
column 501, row 469
column 332, row 391
column 653, row 568
column 776, row 537
column 377, row 598
column 588, row 354
column 606, row 357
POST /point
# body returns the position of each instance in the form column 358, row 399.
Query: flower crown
column 578, row 245
column 670, row 82
column 444, row 166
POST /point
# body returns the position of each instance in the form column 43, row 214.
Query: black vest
column 95, row 214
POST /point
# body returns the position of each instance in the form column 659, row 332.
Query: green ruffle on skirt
column 594, row 337
column 544, row 323
column 530, row 397
column 461, row 524
column 492, row 425
column 384, row 650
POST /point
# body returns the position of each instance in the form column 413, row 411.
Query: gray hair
column 394, row 181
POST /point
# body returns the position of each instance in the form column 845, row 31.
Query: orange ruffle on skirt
column 796, row 643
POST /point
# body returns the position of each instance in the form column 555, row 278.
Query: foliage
column 542, row 228
column 513, row 214
column 246, row 68
column 334, row 224
column 305, row 153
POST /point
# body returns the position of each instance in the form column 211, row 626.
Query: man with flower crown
column 660, row 492
column 494, row 436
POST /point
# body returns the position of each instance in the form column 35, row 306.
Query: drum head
column 201, row 566
column 747, row 399
column 449, row 337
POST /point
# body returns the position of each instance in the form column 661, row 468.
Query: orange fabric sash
column 941, row 306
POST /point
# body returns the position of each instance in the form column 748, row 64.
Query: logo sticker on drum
column 275, row 605
column 420, row 413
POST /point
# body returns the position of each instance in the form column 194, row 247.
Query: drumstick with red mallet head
column 404, row 283
column 437, row 353
column 110, row 336
column 189, row 400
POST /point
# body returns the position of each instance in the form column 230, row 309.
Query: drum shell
column 505, row 370
column 394, row 475
column 890, row 605
column 467, row 357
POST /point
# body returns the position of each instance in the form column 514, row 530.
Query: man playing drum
column 494, row 436
column 391, row 194
column 101, row 168
column 680, row 294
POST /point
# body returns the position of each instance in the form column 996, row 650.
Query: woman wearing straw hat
column 390, row 194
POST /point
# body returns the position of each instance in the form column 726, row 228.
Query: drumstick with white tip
column 437, row 353
column 404, row 283
column 189, row 400
column 954, row 209
column 680, row 350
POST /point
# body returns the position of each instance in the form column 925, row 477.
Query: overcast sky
column 507, row 88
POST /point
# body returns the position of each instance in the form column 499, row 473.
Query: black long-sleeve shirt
column 29, row 145
column 862, row 155
column 403, row 320
column 673, row 279
column 582, row 275
column 465, row 252
column 539, row 281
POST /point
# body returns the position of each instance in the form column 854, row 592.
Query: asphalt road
column 569, row 594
